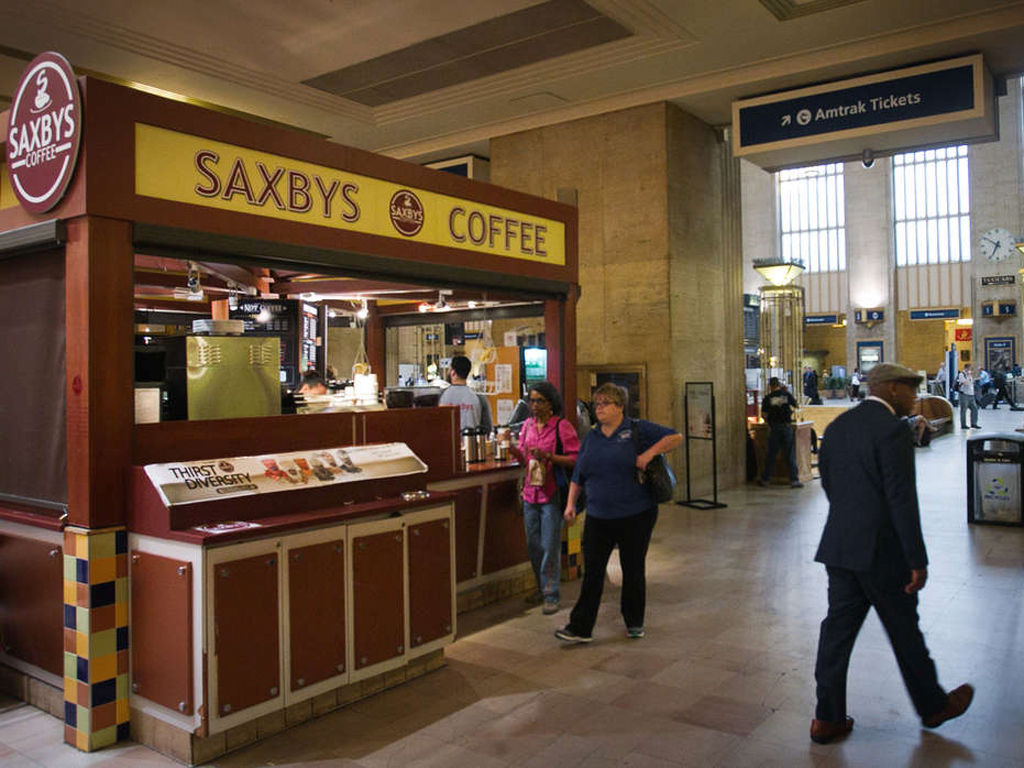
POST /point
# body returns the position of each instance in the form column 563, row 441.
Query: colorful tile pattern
column 572, row 554
column 95, row 637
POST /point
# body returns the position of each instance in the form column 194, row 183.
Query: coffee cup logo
column 42, row 100
column 44, row 132
column 406, row 212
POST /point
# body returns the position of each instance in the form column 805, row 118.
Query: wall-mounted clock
column 997, row 244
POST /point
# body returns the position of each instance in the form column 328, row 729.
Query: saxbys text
column 286, row 189
column 38, row 140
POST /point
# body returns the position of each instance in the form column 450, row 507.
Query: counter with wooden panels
column 231, row 629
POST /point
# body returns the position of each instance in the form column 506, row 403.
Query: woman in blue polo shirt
column 620, row 510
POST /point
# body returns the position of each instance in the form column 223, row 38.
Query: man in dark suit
column 874, row 552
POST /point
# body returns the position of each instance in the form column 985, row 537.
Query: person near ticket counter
column 777, row 409
column 474, row 411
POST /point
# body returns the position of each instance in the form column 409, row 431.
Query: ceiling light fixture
column 778, row 271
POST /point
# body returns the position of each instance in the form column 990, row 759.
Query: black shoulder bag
column 658, row 477
column 562, row 477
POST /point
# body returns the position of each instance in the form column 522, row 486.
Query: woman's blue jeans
column 544, row 543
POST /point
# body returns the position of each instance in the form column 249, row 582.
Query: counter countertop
column 479, row 467
column 287, row 523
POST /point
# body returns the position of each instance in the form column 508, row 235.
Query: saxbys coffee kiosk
column 201, row 584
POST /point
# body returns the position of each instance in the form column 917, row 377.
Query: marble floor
column 724, row 676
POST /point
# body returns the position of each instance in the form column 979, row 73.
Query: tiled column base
column 96, row 711
column 572, row 554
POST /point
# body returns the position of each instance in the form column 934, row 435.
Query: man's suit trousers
column 850, row 595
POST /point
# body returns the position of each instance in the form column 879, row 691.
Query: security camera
column 867, row 158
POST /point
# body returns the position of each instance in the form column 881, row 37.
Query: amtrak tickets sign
column 910, row 103
column 889, row 101
column 44, row 132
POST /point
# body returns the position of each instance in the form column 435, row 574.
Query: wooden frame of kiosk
column 196, row 627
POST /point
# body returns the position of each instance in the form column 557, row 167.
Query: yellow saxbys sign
column 192, row 169
column 7, row 198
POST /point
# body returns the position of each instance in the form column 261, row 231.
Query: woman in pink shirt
column 539, row 451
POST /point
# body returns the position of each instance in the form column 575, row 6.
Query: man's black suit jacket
column 866, row 463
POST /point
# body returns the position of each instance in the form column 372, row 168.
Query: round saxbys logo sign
column 44, row 132
column 406, row 212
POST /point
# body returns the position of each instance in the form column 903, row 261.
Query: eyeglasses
column 603, row 403
column 538, row 399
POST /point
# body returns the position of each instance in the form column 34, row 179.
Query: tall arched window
column 812, row 216
column 931, row 206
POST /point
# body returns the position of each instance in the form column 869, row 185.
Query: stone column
column 660, row 270
column 869, row 256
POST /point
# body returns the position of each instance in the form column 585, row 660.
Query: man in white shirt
column 471, row 405
column 966, row 381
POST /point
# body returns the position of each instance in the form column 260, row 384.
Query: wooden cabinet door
column 246, row 631
column 504, row 533
column 378, row 595
column 467, row 532
column 316, row 612
column 32, row 601
column 431, row 586
column 161, row 648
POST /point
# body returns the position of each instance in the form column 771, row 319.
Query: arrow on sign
column 786, row 119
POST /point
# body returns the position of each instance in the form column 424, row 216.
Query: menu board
column 191, row 481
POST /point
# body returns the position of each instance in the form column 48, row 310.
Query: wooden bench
column 938, row 410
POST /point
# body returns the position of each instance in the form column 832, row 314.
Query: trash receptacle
column 994, row 477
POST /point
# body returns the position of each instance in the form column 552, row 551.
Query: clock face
column 997, row 244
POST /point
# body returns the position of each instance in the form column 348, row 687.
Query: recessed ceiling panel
column 534, row 34
column 784, row 10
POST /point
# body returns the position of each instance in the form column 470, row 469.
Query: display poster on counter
column 192, row 481
column 170, row 165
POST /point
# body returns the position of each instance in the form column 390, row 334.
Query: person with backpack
column 965, row 391
column 548, row 446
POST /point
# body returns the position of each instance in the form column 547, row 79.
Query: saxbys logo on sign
column 406, row 212
column 44, row 132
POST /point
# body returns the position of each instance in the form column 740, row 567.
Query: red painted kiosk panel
column 162, row 630
column 246, row 632
column 467, row 532
column 430, row 589
column 378, row 589
column 504, row 535
column 32, row 601
column 316, row 596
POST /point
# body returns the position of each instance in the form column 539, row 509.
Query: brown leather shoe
column 823, row 731
column 957, row 702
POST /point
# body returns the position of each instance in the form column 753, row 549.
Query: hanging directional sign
column 939, row 102
column 821, row 319
column 934, row 314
